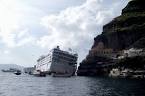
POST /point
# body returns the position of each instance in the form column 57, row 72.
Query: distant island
column 11, row 67
column 120, row 49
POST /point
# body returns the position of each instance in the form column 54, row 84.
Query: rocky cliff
column 123, row 32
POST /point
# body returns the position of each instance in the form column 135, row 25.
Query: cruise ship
column 58, row 63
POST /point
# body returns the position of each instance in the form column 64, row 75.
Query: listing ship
column 58, row 63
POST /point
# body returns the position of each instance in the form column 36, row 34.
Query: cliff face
column 125, row 31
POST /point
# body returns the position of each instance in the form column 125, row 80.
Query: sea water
column 28, row 85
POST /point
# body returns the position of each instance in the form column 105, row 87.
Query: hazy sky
column 30, row 28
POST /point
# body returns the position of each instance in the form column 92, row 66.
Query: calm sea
column 26, row 85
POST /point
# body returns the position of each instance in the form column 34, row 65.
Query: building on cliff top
column 134, row 52
column 101, row 51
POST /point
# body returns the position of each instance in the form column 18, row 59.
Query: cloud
column 12, row 33
column 8, row 22
column 22, row 33
column 16, row 38
column 76, row 26
column 6, row 51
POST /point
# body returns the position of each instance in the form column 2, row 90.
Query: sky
column 30, row 28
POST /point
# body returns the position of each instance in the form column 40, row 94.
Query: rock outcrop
column 123, row 32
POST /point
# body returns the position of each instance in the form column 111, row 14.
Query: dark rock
column 134, row 6
column 123, row 32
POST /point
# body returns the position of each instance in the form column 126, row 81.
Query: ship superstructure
column 58, row 62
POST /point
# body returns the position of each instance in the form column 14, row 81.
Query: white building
column 133, row 52
column 58, row 61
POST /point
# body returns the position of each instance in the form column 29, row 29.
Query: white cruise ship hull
column 59, row 63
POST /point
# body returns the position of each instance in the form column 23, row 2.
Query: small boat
column 18, row 72
column 39, row 73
